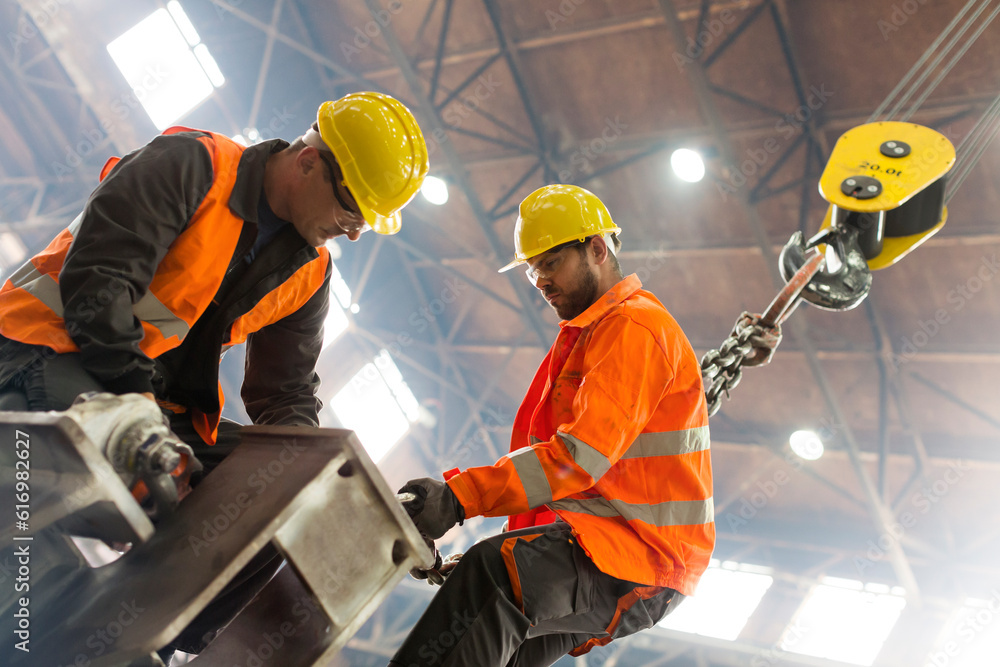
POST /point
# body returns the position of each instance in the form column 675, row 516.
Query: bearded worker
column 608, row 483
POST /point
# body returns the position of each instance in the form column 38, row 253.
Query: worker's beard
column 580, row 298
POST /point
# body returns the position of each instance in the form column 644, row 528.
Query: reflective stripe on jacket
column 612, row 437
column 186, row 279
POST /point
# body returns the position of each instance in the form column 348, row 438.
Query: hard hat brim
column 574, row 237
column 516, row 262
column 381, row 224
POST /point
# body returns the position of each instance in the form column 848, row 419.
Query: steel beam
column 941, row 450
column 77, row 59
column 943, row 240
column 436, row 127
column 956, row 400
column 310, row 41
column 442, row 38
column 547, row 38
column 479, row 404
column 724, row 45
column 514, row 65
column 512, row 189
column 933, row 356
column 447, row 363
column 758, row 129
column 296, row 45
column 742, row 99
column 424, row 22
column 360, row 281
column 761, row 186
column 476, row 73
column 480, row 287
column 265, row 63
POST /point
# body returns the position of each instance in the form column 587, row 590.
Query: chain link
column 751, row 343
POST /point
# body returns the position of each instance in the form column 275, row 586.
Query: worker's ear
column 600, row 249
column 307, row 159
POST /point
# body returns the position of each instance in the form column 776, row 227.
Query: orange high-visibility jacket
column 185, row 281
column 612, row 437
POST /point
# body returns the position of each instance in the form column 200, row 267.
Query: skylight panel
column 184, row 24
column 335, row 325
column 156, row 58
column 400, row 390
column 208, row 64
column 844, row 620
column 377, row 405
column 727, row 596
column 971, row 638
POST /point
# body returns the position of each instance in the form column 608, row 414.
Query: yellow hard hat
column 380, row 150
column 554, row 215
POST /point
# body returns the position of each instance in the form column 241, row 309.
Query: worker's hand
column 436, row 575
column 431, row 575
column 449, row 563
column 435, row 509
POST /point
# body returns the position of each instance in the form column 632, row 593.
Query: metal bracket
column 314, row 493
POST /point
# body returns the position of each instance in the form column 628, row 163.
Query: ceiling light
column 435, row 190
column 688, row 165
column 806, row 444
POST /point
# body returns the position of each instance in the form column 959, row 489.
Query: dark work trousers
column 32, row 380
column 524, row 599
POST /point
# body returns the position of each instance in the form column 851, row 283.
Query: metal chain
column 755, row 337
column 721, row 369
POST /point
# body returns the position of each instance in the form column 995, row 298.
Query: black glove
column 435, row 509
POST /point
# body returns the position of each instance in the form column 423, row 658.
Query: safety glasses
column 355, row 221
column 549, row 265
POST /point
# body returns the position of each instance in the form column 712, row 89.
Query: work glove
column 434, row 509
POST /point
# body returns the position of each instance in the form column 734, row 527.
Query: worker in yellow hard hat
column 608, row 483
column 379, row 153
column 195, row 243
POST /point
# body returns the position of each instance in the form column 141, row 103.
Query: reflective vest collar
column 250, row 178
column 614, row 296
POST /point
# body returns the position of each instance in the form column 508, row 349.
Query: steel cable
column 951, row 64
column 973, row 147
column 923, row 60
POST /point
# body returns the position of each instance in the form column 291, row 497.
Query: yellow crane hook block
column 887, row 180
